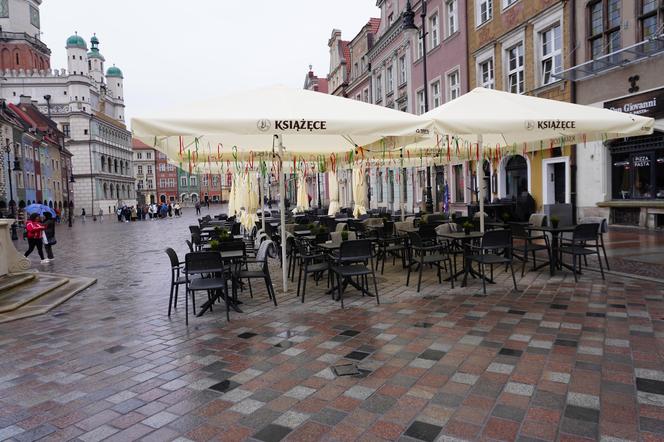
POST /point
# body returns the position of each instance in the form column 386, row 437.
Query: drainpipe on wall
column 573, row 154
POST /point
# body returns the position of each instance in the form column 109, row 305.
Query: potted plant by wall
column 505, row 216
column 555, row 221
column 344, row 235
column 467, row 227
column 214, row 245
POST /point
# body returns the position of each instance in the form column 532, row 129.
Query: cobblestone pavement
column 554, row 361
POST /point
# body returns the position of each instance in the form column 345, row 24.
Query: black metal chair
column 190, row 245
column 210, row 264
column 263, row 271
column 389, row 244
column 585, row 238
column 312, row 261
column 176, row 278
column 355, row 260
column 494, row 249
column 602, row 229
column 422, row 254
column 528, row 243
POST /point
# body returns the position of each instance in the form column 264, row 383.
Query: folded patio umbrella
column 359, row 191
column 333, row 189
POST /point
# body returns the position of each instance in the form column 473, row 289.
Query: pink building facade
column 386, row 68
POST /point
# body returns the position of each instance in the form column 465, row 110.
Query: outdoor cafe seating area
column 345, row 254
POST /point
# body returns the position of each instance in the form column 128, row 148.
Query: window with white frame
column 453, row 85
column 435, row 94
column 452, row 16
column 149, row 170
column 508, row 3
column 140, row 170
column 193, row 181
column 484, row 11
column 420, row 102
column 366, row 95
column 402, row 69
column 358, row 97
column 183, row 181
column 434, row 30
column 485, row 74
column 379, row 88
column 420, row 47
column 139, row 155
column 162, row 167
column 389, row 86
column 514, row 56
column 551, row 54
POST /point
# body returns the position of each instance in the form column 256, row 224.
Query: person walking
column 134, row 213
column 49, row 230
column 83, row 214
column 34, row 231
column 198, row 208
column 176, row 208
column 101, row 215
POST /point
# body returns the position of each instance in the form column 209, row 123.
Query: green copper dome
column 76, row 41
column 94, row 50
column 114, row 72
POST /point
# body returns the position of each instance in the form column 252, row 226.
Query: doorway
column 556, row 181
column 516, row 176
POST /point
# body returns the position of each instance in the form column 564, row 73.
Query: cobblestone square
column 554, row 361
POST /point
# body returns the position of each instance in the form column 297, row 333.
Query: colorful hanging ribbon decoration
column 333, row 162
column 251, row 160
column 219, row 147
column 478, row 151
column 189, row 160
column 448, row 148
column 235, row 159
column 196, row 152
column 181, row 154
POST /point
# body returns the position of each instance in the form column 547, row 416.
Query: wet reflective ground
column 554, row 361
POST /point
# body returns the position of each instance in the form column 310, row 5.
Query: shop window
column 637, row 168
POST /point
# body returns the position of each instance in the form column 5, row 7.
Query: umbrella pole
column 260, row 199
column 402, row 194
column 480, row 181
column 282, row 210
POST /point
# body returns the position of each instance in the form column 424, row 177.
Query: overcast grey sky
column 176, row 51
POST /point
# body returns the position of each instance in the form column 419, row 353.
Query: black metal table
column 465, row 240
column 555, row 244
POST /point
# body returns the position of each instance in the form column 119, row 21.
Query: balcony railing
column 617, row 59
column 4, row 35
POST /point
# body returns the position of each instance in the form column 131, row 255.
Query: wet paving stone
column 556, row 361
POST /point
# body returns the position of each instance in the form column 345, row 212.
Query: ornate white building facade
column 86, row 100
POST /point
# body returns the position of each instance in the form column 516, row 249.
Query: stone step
column 29, row 291
column 15, row 279
column 50, row 300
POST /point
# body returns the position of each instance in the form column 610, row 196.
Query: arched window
column 105, row 188
column 109, row 164
column 18, row 61
column 116, row 165
column 103, row 164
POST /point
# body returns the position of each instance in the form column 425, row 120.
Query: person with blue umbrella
column 39, row 209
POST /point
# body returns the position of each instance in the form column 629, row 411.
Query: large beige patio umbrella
column 302, row 198
column 359, row 191
column 493, row 118
column 232, row 197
column 280, row 121
column 249, row 213
column 333, row 189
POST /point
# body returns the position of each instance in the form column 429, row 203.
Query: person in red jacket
column 35, row 229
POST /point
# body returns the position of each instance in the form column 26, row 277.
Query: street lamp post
column 12, row 203
column 411, row 29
